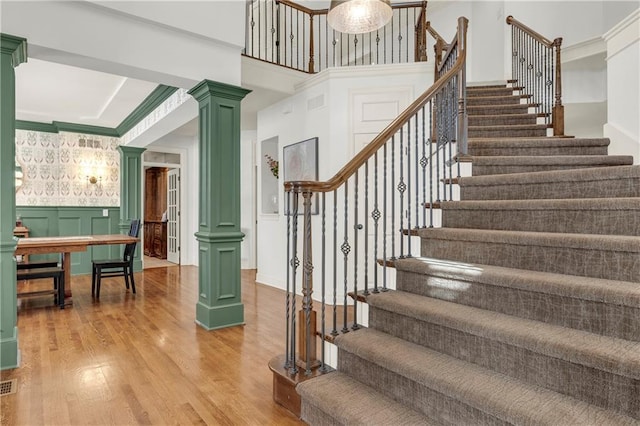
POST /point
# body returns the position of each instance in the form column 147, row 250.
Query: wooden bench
column 44, row 272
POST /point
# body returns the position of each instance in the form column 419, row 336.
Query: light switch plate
column 105, row 212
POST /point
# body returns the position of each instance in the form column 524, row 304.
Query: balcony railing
column 288, row 34
column 536, row 69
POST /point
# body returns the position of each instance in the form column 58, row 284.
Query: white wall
column 91, row 36
column 623, row 83
column 247, row 197
column 329, row 95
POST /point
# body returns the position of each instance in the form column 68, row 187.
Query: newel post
column 307, row 316
column 311, row 48
column 558, row 108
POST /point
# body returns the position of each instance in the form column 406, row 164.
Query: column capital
column 14, row 46
column 207, row 88
column 131, row 150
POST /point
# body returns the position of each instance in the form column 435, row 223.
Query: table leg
column 66, row 265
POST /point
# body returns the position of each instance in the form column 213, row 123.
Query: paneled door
column 173, row 215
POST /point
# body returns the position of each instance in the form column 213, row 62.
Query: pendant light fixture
column 359, row 16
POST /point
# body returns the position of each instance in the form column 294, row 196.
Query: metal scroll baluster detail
column 402, row 187
column 307, row 288
column 346, row 248
column 375, row 215
column 323, row 319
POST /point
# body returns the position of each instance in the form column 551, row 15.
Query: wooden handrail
column 536, row 35
column 434, row 33
column 359, row 160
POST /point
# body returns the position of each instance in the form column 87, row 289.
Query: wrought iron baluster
column 290, row 356
column 346, row 248
column 307, row 267
column 323, row 365
column 366, row 228
column 334, row 331
column 423, row 163
column 356, row 228
column 431, row 166
column 375, row 214
column 384, row 217
column 294, row 265
column 417, row 171
column 401, row 188
column 393, row 197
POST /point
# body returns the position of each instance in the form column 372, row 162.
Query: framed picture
column 300, row 163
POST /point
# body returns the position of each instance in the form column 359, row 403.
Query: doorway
column 161, row 206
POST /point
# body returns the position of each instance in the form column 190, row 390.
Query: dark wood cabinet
column 155, row 239
column 155, row 204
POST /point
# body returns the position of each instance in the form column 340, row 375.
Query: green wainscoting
column 69, row 221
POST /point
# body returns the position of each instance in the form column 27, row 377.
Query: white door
column 173, row 216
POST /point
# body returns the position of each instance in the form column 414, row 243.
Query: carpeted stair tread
column 495, row 100
column 505, row 109
column 614, row 257
column 495, row 165
column 596, row 305
column 334, row 394
column 592, row 182
column 617, row 356
column 531, row 160
column 500, row 396
column 613, row 216
column 616, row 292
column 622, row 243
column 537, row 146
column 502, row 119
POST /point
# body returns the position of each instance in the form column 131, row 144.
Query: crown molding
column 35, row 126
column 150, row 103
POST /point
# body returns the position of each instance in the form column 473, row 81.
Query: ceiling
column 47, row 91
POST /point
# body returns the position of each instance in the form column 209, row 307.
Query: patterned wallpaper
column 56, row 166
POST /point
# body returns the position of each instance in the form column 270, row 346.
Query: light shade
column 359, row 16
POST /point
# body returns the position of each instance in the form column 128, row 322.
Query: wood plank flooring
column 141, row 359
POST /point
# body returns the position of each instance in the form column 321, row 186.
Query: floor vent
column 7, row 387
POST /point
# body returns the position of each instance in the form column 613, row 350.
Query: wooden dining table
column 65, row 246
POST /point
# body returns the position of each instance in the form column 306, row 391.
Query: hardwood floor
column 141, row 359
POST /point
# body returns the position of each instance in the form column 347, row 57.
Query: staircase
column 524, row 307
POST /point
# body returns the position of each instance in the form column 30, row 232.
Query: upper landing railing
column 288, row 34
column 535, row 65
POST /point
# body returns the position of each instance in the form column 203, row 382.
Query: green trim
column 85, row 128
column 151, row 102
column 14, row 46
column 208, row 88
column 35, row 126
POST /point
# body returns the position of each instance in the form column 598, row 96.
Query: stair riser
column 493, row 100
column 613, row 392
column 596, row 317
column 312, row 415
column 484, row 170
column 495, row 152
column 613, row 265
column 604, row 222
column 629, row 187
column 480, row 120
column 507, row 133
column 421, row 398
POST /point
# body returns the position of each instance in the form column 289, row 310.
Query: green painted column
column 219, row 237
column 13, row 52
column 131, row 193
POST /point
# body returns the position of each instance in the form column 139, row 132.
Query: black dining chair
column 117, row 267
